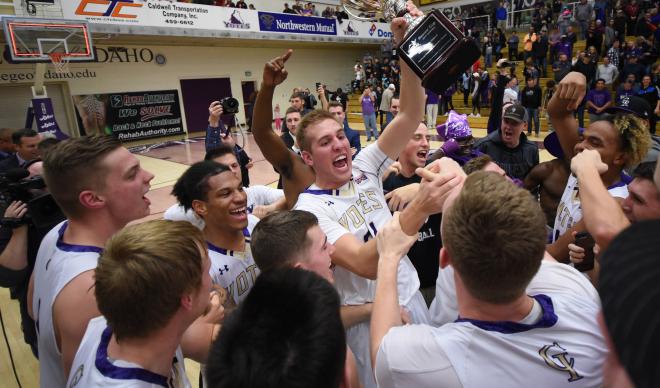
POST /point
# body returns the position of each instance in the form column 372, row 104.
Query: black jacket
column 517, row 162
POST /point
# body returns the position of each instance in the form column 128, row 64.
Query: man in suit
column 6, row 144
column 25, row 142
column 291, row 119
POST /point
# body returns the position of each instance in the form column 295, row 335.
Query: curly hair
column 635, row 137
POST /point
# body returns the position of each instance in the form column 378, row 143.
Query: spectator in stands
column 432, row 101
column 288, row 10
column 565, row 47
column 509, row 146
column 635, row 68
column 593, row 54
column 297, row 101
column 607, row 72
column 626, row 89
column 632, row 13
column 610, row 35
column 528, row 43
column 540, row 48
column 651, row 94
column 561, row 67
column 585, row 66
column 510, row 94
column 614, row 54
column 571, row 36
column 595, row 35
column 328, row 12
column 500, row 16
column 241, row 4
column 583, row 13
column 369, row 113
column 620, row 22
column 554, row 39
column 499, row 39
column 564, row 20
column 599, row 99
column 513, row 45
column 531, row 71
column 531, row 100
column 297, row 7
column 475, row 93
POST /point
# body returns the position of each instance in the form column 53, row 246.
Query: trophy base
column 437, row 52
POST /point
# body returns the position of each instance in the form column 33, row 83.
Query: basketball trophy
column 433, row 47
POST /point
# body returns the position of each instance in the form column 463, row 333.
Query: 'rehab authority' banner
column 157, row 13
column 130, row 116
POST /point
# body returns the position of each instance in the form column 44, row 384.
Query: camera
column 42, row 210
column 229, row 105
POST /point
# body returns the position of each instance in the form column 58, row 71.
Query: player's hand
column 215, row 311
column 321, row 91
column 16, row 209
column 571, row 89
column 588, row 159
column 399, row 25
column 394, row 168
column 398, row 199
column 392, row 242
column 250, row 164
column 262, row 211
column 274, row 71
column 405, row 315
column 435, row 188
column 575, row 253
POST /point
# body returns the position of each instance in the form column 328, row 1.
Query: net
column 60, row 62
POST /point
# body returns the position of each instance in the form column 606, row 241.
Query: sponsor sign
column 357, row 29
column 295, row 24
column 131, row 116
column 42, row 111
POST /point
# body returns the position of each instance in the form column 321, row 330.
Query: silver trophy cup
column 433, row 47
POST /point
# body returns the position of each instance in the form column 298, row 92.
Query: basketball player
column 348, row 200
column 151, row 283
column 217, row 196
column 621, row 141
column 100, row 187
column 261, row 200
column 522, row 321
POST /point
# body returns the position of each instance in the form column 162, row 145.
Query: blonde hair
column 635, row 137
column 311, row 118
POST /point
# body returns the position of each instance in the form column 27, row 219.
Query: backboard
column 38, row 40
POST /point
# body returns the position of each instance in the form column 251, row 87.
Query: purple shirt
column 367, row 106
column 431, row 98
column 598, row 98
column 566, row 48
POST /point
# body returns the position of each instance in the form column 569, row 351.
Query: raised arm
column 602, row 214
column 412, row 97
column 272, row 147
column 570, row 91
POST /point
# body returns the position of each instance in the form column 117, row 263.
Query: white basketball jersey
column 359, row 208
column 569, row 211
column 565, row 348
column 256, row 196
column 92, row 366
column 56, row 265
column 235, row 271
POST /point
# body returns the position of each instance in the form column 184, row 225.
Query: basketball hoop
column 60, row 62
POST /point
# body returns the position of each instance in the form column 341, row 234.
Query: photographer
column 19, row 242
column 217, row 134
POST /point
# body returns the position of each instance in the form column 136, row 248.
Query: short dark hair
column 299, row 95
column 292, row 110
column 193, row 183
column 259, row 346
column 21, row 133
column 476, row 164
column 645, row 170
column 218, row 151
column 75, row 165
column 280, row 238
column 481, row 233
column 335, row 104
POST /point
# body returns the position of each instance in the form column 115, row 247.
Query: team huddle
column 319, row 283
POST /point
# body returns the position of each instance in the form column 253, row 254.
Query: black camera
column 42, row 210
column 229, row 105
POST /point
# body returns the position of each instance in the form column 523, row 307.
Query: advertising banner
column 42, row 111
column 131, row 116
column 296, row 24
column 157, row 13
